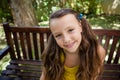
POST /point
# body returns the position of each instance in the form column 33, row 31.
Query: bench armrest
column 4, row 52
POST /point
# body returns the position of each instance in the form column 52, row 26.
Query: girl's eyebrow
column 68, row 27
column 55, row 33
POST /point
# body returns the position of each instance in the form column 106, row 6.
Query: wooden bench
column 25, row 45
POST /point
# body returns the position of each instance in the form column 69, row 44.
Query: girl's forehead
column 67, row 19
column 63, row 23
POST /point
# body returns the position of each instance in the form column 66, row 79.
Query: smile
column 70, row 45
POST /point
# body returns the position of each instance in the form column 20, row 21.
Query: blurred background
column 102, row 14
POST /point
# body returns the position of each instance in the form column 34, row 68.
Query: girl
column 73, row 52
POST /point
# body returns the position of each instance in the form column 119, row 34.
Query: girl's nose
column 66, row 39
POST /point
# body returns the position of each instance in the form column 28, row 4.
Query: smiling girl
column 73, row 52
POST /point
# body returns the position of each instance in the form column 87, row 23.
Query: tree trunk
column 111, row 7
column 23, row 13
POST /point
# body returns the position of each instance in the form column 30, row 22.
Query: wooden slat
column 112, row 67
column 22, row 74
column 117, row 57
column 29, row 78
column 7, row 30
column 30, row 29
column 17, row 47
column 29, row 45
column 107, row 32
column 17, row 78
column 35, row 46
column 22, row 42
column 112, row 49
column 42, row 42
column 25, row 68
column 109, row 78
column 28, row 62
column 111, row 74
column 29, row 74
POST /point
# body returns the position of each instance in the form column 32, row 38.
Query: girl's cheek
column 59, row 43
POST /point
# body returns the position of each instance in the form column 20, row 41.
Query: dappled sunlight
column 4, row 62
column 97, row 27
column 115, row 4
column 105, row 22
column 2, row 38
column 100, row 22
column 111, row 7
column 45, row 23
column 118, row 25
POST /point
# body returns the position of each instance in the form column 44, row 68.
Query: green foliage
column 5, row 13
column 105, row 22
column 44, row 8
column 2, row 38
column 4, row 62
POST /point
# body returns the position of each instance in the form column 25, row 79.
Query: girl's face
column 67, row 33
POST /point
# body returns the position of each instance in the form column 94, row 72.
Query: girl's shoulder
column 101, row 52
column 42, row 77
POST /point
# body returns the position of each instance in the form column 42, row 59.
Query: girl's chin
column 70, row 51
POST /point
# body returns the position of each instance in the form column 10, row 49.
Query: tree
column 111, row 7
column 23, row 12
column 92, row 7
column 5, row 13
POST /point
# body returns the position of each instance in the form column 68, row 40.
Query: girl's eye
column 59, row 35
column 70, row 30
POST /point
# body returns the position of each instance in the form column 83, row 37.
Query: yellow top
column 70, row 73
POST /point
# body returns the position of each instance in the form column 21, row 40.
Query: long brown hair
column 90, row 63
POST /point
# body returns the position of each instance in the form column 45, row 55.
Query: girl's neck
column 71, row 53
column 72, row 59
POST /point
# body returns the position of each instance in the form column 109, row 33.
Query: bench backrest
column 27, row 43
column 110, row 40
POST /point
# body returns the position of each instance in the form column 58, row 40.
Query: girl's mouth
column 70, row 45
